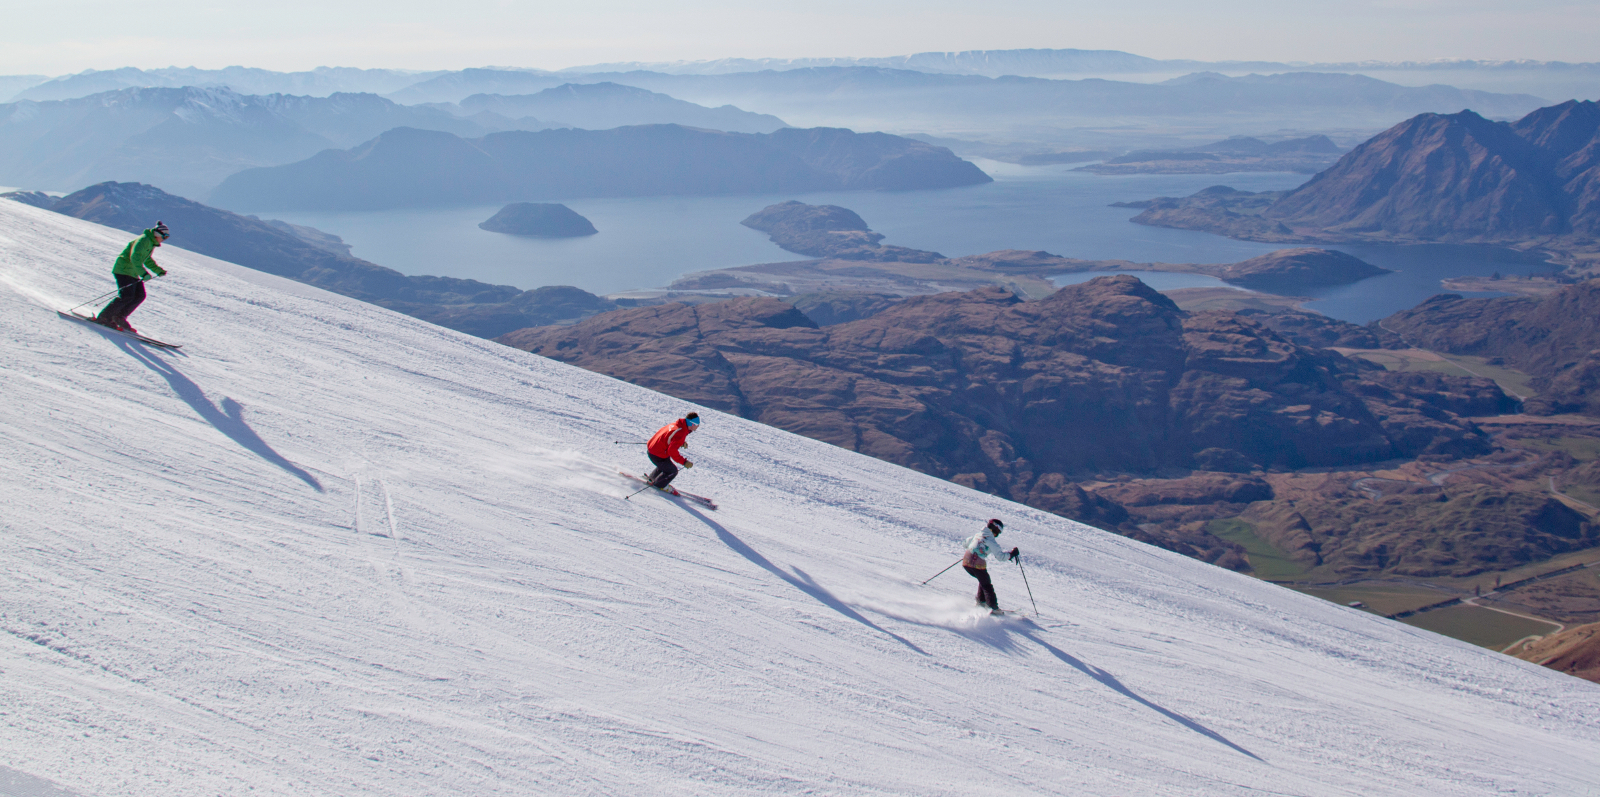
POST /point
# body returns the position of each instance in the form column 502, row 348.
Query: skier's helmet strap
column 996, row 526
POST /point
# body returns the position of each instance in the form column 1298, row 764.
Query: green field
column 1584, row 494
column 1513, row 382
column 1382, row 599
column 1479, row 626
column 1582, row 449
column 1266, row 562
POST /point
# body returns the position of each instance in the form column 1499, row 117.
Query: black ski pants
column 986, row 594
column 130, row 293
column 666, row 470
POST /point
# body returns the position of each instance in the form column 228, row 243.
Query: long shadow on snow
column 1111, row 682
column 800, row 580
column 228, row 419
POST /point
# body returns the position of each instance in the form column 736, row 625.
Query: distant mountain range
column 1456, row 178
column 1063, row 63
column 1046, row 63
column 319, row 82
column 1057, row 97
column 188, row 139
column 1308, row 155
column 602, row 106
column 419, row 168
column 900, row 99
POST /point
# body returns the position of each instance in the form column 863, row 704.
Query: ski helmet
column 996, row 526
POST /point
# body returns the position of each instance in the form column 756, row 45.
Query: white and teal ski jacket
column 979, row 547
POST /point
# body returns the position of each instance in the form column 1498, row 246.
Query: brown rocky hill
column 1435, row 177
column 1456, row 178
column 1554, row 339
column 476, row 308
column 1022, row 398
column 1575, row 651
column 1296, row 269
column 829, row 231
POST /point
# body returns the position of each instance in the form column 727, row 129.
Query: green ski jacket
column 135, row 259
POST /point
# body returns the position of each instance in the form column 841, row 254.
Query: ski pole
column 1026, row 584
column 117, row 289
column 640, row 490
column 941, row 572
column 97, row 298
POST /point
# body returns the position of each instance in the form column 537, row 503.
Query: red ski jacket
column 668, row 439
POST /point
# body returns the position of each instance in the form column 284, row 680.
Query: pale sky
column 53, row 37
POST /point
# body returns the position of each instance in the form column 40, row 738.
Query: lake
column 646, row 242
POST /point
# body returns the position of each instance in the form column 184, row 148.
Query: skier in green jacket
column 132, row 268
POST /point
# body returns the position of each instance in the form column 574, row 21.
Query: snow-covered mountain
column 329, row 549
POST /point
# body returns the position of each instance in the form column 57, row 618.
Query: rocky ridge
column 1435, row 178
column 1553, row 339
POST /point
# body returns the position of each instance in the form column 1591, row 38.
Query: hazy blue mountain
column 349, row 119
column 991, row 63
column 1553, row 79
column 456, row 86
column 1303, row 99
column 416, row 168
column 319, row 82
column 903, row 100
column 188, row 139
column 184, row 139
column 601, row 106
column 11, row 84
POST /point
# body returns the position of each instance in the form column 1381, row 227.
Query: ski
column 136, row 336
column 675, row 492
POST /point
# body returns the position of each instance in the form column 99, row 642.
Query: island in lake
column 539, row 220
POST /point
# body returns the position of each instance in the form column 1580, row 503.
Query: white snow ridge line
column 187, row 613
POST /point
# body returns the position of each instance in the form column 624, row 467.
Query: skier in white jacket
column 980, row 547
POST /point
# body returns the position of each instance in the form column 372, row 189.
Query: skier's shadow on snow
column 1110, row 681
column 228, row 418
column 799, row 580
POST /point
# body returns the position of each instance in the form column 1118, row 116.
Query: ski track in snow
column 329, row 549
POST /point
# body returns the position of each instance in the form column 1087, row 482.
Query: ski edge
column 675, row 492
column 141, row 338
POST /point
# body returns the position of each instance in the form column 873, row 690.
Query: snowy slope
column 332, row 550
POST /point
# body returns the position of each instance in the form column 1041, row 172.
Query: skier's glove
column 159, row 272
column 688, row 464
column 1015, row 552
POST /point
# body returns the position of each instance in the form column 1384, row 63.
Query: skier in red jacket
column 664, row 450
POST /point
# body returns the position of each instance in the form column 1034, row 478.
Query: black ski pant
column 986, row 594
column 666, row 470
column 130, row 292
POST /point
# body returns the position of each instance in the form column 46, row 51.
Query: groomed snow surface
column 331, row 550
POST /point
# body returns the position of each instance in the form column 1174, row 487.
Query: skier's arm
column 149, row 261
column 142, row 260
column 675, row 446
